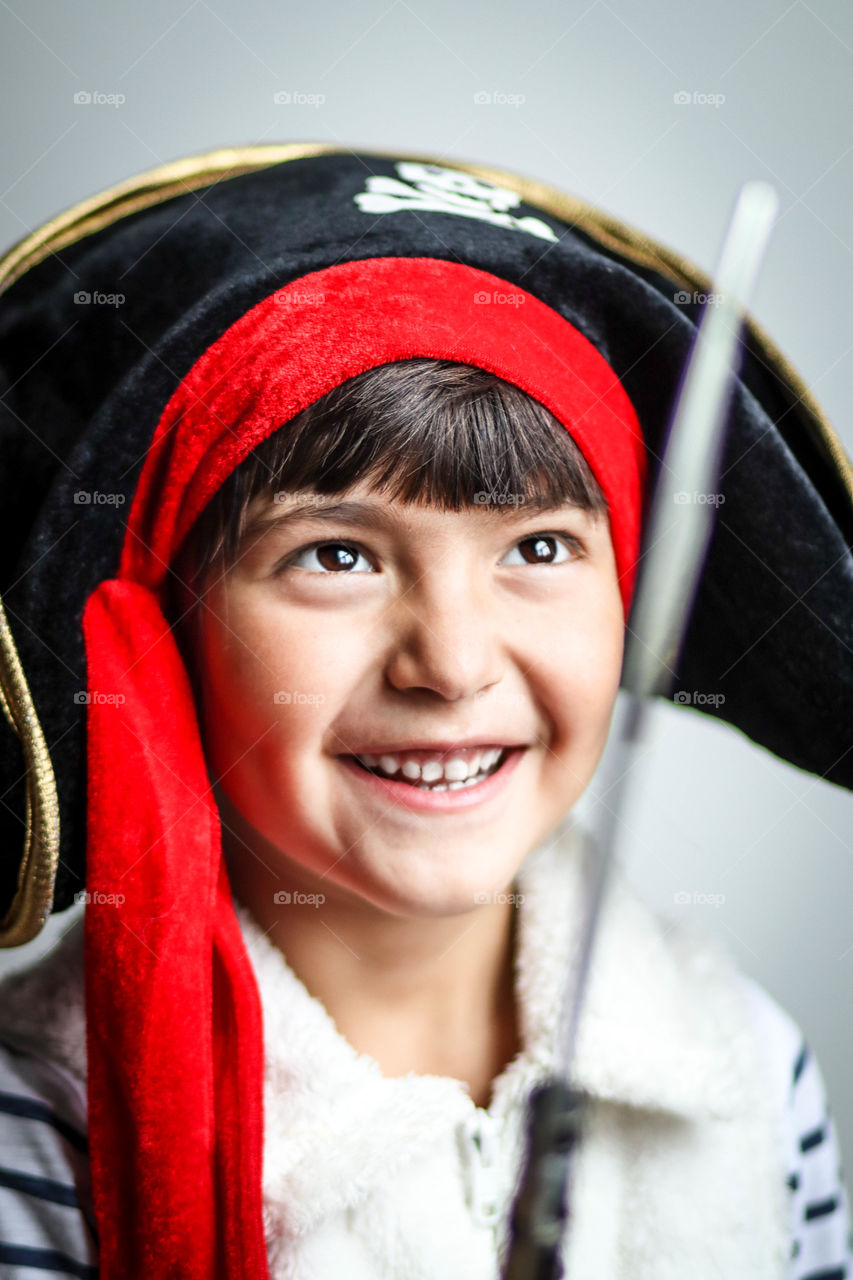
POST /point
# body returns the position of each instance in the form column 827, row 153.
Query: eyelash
column 573, row 545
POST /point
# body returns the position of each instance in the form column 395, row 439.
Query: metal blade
column 678, row 534
column 679, row 526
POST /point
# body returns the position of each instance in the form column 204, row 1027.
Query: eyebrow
column 371, row 517
column 324, row 512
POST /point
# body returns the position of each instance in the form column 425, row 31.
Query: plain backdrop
column 586, row 97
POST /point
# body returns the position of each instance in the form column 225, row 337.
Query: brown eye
column 327, row 558
column 540, row 550
column 544, row 548
column 334, row 555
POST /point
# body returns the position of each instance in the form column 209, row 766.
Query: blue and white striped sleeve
column 822, row 1247
column 821, row 1244
column 47, row 1226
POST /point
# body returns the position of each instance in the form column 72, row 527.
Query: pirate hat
column 137, row 335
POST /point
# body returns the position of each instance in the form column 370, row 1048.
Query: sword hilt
column 540, row 1214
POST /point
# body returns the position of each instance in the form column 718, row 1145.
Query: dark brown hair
column 419, row 430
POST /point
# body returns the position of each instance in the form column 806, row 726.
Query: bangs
column 424, row 431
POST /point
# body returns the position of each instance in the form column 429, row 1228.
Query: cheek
column 584, row 670
column 237, row 694
column 603, row 646
column 268, row 686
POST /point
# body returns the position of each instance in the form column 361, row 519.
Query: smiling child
column 351, row 656
column 486, row 640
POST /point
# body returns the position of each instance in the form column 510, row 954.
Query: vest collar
column 645, row 1040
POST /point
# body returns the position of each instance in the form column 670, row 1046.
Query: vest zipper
column 479, row 1134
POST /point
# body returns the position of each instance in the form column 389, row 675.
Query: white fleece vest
column 681, row 1173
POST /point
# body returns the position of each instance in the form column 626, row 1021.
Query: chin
column 436, row 906
column 430, row 892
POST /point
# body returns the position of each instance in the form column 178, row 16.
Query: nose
column 445, row 637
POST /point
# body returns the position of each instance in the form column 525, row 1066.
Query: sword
column 675, row 547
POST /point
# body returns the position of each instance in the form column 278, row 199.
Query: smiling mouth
column 453, row 774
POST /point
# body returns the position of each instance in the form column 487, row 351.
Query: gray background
column 713, row 814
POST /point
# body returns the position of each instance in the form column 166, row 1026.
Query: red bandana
column 174, row 1024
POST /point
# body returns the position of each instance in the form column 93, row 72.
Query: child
column 332, row 871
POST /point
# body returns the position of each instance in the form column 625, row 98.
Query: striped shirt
column 822, row 1241
column 47, row 1226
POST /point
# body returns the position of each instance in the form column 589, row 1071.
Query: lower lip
column 438, row 801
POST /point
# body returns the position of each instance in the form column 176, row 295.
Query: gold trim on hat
column 34, row 897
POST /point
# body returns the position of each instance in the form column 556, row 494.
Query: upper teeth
column 453, row 769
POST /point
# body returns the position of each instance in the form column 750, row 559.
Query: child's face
column 439, row 628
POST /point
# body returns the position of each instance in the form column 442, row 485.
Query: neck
column 433, row 995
